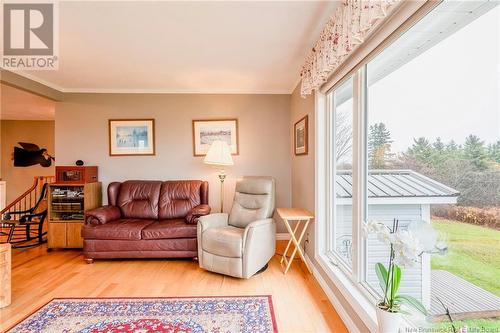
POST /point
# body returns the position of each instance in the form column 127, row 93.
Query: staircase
column 27, row 199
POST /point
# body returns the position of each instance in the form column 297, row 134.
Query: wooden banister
column 28, row 199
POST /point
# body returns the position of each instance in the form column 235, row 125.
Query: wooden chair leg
column 11, row 233
column 28, row 232
column 40, row 233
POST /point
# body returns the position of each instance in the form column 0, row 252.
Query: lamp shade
column 219, row 153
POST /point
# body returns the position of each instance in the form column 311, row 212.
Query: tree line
column 472, row 168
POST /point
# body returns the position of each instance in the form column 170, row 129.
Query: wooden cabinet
column 5, row 275
column 3, row 194
column 67, row 204
column 74, row 235
column 57, row 235
column 76, row 174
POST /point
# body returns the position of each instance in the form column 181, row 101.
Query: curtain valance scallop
column 348, row 27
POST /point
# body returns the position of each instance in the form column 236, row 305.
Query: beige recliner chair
column 241, row 243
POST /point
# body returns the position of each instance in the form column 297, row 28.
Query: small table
column 300, row 216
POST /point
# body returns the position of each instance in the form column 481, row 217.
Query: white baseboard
column 350, row 325
column 282, row 236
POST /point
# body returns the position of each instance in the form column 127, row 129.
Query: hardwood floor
column 38, row 276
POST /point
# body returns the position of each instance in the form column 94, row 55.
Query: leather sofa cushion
column 224, row 241
column 167, row 229
column 138, row 199
column 126, row 229
column 178, row 197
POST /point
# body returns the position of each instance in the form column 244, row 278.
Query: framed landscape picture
column 301, row 136
column 128, row 137
column 209, row 130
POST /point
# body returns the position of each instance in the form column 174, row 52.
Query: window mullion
column 330, row 171
column 357, row 177
column 362, row 165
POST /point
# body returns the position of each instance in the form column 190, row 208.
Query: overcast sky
column 449, row 91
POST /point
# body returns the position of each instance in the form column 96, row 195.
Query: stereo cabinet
column 66, row 209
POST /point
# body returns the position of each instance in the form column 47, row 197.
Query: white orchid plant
column 406, row 251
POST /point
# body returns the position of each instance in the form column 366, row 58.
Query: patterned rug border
column 269, row 299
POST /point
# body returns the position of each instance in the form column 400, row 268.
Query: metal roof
column 395, row 184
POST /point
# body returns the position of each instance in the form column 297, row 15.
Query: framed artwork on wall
column 301, row 136
column 206, row 131
column 131, row 137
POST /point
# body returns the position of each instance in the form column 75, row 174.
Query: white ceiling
column 202, row 47
column 17, row 104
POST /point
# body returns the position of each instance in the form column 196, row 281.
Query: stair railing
column 28, row 199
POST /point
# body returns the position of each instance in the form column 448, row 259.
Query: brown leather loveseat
column 146, row 219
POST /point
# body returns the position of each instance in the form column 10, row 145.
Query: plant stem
column 391, row 299
column 389, row 274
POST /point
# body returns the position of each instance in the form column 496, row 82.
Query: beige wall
column 19, row 179
column 264, row 120
column 303, row 188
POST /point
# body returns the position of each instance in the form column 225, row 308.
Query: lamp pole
column 222, row 177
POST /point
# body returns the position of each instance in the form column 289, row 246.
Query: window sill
column 358, row 299
column 363, row 307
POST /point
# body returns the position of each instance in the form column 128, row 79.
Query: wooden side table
column 5, row 275
column 300, row 216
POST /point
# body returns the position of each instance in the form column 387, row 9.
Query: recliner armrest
column 196, row 212
column 259, row 223
column 212, row 221
column 102, row 215
column 258, row 226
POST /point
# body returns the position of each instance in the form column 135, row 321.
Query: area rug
column 152, row 315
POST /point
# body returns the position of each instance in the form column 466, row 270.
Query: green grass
column 473, row 254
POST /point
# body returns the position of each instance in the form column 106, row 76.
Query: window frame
column 351, row 284
column 348, row 281
column 356, row 273
column 331, row 113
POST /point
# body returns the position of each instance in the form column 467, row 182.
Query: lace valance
column 351, row 23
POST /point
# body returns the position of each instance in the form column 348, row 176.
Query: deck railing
column 28, row 198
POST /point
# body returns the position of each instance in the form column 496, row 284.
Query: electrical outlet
column 307, row 238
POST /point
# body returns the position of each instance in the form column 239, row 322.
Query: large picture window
column 413, row 136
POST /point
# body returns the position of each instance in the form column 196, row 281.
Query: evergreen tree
column 421, row 150
column 494, row 151
column 438, row 153
column 379, row 146
column 452, row 147
column 438, row 145
column 475, row 151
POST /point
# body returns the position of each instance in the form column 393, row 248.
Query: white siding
column 379, row 252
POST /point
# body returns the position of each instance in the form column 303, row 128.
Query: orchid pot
column 388, row 322
column 405, row 250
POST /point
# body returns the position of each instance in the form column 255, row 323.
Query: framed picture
column 207, row 131
column 301, row 136
column 129, row 137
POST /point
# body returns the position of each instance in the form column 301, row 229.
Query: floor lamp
column 219, row 155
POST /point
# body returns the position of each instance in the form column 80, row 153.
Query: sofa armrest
column 102, row 215
column 197, row 212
